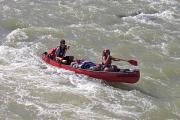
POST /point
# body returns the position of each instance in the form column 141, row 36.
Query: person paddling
column 61, row 51
column 107, row 60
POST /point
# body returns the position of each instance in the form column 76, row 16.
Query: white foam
column 6, row 8
column 18, row 11
column 166, row 15
column 175, row 58
column 17, row 34
column 143, row 18
column 164, row 48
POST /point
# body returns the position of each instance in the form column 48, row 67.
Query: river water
column 145, row 30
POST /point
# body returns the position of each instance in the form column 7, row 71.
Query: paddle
column 132, row 62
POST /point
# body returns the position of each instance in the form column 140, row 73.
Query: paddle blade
column 133, row 62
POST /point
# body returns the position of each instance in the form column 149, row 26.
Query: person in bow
column 107, row 60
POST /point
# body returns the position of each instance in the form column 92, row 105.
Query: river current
column 144, row 30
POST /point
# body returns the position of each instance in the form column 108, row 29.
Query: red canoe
column 125, row 76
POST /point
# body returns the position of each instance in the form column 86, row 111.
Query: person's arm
column 68, row 47
column 116, row 59
column 105, row 60
column 56, row 52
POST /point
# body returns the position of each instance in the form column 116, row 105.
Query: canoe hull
column 124, row 76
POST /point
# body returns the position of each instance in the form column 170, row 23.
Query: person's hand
column 108, row 56
column 59, row 59
column 68, row 47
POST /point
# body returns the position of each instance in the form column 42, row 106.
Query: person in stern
column 107, row 60
column 61, row 52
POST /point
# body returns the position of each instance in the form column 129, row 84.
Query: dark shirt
column 60, row 52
